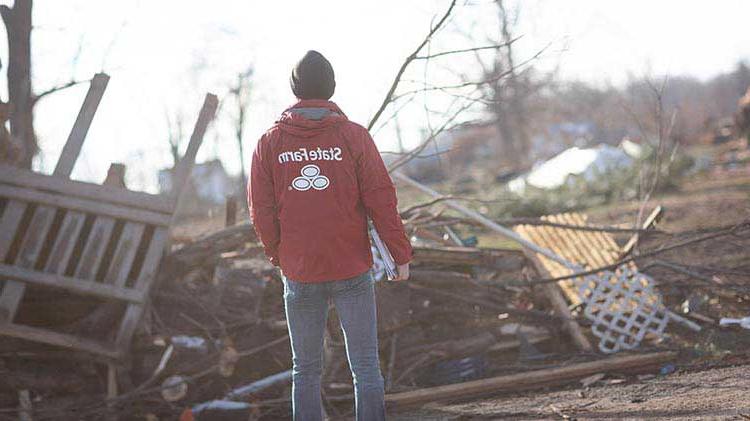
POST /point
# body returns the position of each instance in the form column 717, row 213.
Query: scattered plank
column 524, row 381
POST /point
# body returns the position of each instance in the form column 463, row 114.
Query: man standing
column 315, row 179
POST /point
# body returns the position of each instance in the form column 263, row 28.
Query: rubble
column 471, row 321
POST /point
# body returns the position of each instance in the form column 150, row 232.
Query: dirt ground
column 715, row 394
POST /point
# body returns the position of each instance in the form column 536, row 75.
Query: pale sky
column 163, row 55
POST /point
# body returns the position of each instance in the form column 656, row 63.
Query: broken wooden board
column 526, row 380
column 91, row 240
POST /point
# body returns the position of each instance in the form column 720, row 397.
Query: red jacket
column 315, row 179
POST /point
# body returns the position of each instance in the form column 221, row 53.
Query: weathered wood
column 653, row 218
column 143, row 284
column 73, row 145
column 501, row 259
column 11, row 217
column 84, row 205
column 124, row 255
column 58, row 339
column 93, row 251
column 31, row 246
column 231, row 211
column 20, row 275
column 185, row 166
column 439, row 277
column 101, row 193
column 65, row 242
column 526, row 380
column 206, row 249
column 556, row 299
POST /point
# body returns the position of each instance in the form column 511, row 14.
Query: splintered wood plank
column 527, row 380
column 109, row 194
column 84, row 205
column 143, row 284
column 73, row 145
column 30, row 248
column 93, row 251
column 124, row 256
column 76, row 285
column 9, row 225
column 65, row 242
column 58, row 339
column 555, row 296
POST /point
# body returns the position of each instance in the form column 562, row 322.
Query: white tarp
column 585, row 162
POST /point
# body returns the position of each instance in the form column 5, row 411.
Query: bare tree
column 175, row 135
column 17, row 20
column 509, row 98
column 19, row 110
column 240, row 91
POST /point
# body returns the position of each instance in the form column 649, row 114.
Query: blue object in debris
column 471, row 241
column 667, row 369
column 454, row 371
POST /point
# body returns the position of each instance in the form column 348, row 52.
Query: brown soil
column 716, row 394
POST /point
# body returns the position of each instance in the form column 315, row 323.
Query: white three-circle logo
column 310, row 178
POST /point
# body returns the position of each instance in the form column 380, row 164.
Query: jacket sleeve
column 261, row 202
column 378, row 195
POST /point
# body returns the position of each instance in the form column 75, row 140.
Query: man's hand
column 403, row 272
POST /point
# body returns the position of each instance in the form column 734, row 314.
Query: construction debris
column 204, row 329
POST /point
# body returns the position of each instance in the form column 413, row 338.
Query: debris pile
column 470, row 321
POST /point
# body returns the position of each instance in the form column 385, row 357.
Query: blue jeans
column 306, row 315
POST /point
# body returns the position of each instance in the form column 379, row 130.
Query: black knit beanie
column 312, row 77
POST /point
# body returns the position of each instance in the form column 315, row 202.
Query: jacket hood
column 311, row 117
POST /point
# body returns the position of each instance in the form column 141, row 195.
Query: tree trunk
column 18, row 27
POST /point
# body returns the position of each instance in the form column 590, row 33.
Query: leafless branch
column 468, row 50
column 389, row 96
column 58, row 88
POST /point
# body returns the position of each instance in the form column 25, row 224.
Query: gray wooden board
column 9, row 225
column 30, row 247
column 65, row 242
column 96, row 245
column 84, row 205
column 58, row 339
column 97, row 289
column 115, row 195
column 143, row 284
column 122, row 260
column 73, row 145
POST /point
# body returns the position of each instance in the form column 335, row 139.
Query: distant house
column 209, row 184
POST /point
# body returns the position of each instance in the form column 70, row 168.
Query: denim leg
column 355, row 305
column 306, row 313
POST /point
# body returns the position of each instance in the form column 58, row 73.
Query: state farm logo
column 310, row 178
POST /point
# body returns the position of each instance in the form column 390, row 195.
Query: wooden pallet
column 89, row 239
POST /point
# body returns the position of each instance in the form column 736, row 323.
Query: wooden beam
column 185, row 166
column 97, row 289
column 143, row 285
column 58, row 339
column 24, row 178
column 84, row 205
column 554, row 294
column 31, row 247
column 496, row 258
column 650, row 221
column 526, row 380
column 73, row 145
